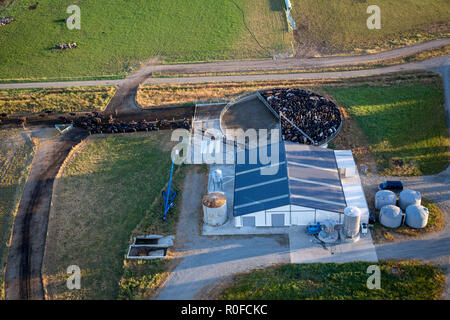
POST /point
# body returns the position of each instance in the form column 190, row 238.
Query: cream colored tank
column 214, row 208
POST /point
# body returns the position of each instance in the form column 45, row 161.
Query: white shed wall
column 322, row 215
column 293, row 215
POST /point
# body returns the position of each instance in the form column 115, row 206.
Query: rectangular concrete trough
column 149, row 247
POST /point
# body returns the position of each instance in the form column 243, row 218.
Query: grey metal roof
column 307, row 176
column 313, row 178
column 255, row 191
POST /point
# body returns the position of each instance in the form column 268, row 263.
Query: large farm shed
column 311, row 184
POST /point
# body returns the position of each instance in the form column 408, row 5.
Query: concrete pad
column 307, row 249
column 213, row 259
column 203, row 149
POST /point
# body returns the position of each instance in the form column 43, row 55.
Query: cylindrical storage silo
column 214, row 208
column 385, row 198
column 407, row 198
column 391, row 216
column 352, row 218
column 416, row 216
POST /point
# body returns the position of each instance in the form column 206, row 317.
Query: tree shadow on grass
column 277, row 5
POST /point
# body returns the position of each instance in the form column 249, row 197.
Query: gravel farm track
column 23, row 272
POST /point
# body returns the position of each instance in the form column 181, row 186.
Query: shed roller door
column 278, row 220
column 248, row 221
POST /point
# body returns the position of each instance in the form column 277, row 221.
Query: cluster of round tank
column 407, row 198
column 416, row 216
column 391, row 216
column 385, row 198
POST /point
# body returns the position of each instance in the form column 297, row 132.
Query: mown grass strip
column 400, row 280
column 76, row 99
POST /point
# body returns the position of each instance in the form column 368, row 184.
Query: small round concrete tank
column 408, row 197
column 384, row 198
column 214, row 209
column 416, row 216
column 391, row 216
column 352, row 218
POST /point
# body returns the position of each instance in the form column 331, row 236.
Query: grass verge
column 16, row 154
column 400, row 280
column 25, row 101
column 142, row 279
column 106, row 189
column 159, row 95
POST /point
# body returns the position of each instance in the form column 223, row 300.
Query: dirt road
column 23, row 270
column 252, row 65
column 124, row 99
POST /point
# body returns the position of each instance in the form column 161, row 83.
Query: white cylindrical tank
column 391, row 216
column 214, row 209
column 384, row 198
column 416, row 216
column 352, row 218
column 409, row 197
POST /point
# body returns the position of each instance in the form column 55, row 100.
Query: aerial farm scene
column 224, row 150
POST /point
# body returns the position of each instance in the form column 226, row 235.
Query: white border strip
column 316, row 182
column 260, row 184
column 259, row 168
column 261, row 201
column 319, row 200
column 311, row 166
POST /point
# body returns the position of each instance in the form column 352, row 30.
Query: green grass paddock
column 330, row 27
column 118, row 35
column 405, row 122
column 105, row 191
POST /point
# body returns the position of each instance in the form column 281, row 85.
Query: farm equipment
column 169, row 195
column 395, row 186
column 313, row 229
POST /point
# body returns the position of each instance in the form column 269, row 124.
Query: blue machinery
column 169, row 196
column 313, row 229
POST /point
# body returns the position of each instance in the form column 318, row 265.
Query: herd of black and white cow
column 318, row 117
column 97, row 123
column 305, row 118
